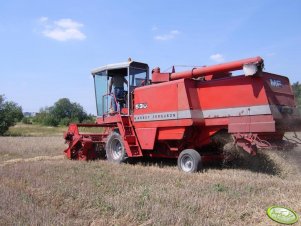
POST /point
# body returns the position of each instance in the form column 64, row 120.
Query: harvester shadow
column 156, row 162
column 261, row 163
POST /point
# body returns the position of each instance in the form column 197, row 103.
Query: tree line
column 61, row 113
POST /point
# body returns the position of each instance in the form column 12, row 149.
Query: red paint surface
column 184, row 96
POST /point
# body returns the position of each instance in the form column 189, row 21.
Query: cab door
column 137, row 77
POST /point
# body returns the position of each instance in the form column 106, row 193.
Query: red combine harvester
column 192, row 115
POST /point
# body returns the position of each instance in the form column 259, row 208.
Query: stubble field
column 40, row 187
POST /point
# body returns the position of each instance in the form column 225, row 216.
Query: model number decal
column 275, row 83
column 141, row 106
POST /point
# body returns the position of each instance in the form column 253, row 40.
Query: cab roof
column 122, row 65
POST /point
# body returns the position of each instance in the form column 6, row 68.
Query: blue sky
column 48, row 48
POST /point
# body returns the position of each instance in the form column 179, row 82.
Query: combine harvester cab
column 193, row 116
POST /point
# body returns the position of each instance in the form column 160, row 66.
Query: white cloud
column 219, row 58
column 171, row 35
column 43, row 19
column 62, row 30
column 154, row 28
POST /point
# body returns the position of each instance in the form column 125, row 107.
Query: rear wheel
column 189, row 161
column 115, row 149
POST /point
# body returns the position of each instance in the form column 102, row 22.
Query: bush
column 50, row 120
column 26, row 120
column 10, row 114
column 67, row 121
column 297, row 92
column 90, row 119
column 40, row 117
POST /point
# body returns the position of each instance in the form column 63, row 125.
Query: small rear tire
column 190, row 161
column 115, row 149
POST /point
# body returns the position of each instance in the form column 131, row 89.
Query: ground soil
column 39, row 186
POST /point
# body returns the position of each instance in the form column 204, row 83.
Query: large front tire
column 190, row 161
column 115, row 149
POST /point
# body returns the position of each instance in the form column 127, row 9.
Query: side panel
column 278, row 89
column 249, row 104
column 239, row 102
column 282, row 102
column 171, row 133
column 156, row 99
column 162, row 105
column 231, row 93
column 146, row 137
column 246, row 124
column 188, row 112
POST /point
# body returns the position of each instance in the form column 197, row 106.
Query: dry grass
column 28, row 147
column 53, row 191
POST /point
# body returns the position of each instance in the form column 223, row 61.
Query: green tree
column 297, row 92
column 10, row 114
column 68, row 112
column 62, row 112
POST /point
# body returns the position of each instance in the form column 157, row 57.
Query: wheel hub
column 116, row 149
column 187, row 163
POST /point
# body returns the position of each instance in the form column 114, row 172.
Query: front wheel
column 190, row 161
column 115, row 149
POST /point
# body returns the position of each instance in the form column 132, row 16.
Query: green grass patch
column 35, row 130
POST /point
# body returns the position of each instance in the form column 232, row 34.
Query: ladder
column 130, row 138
